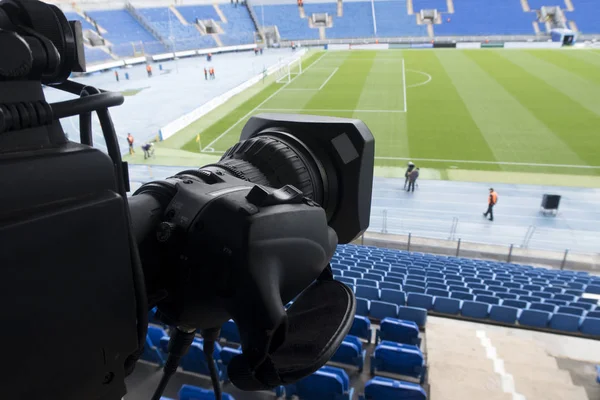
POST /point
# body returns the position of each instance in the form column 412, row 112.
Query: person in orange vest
column 149, row 70
column 205, row 74
column 492, row 200
column 130, row 141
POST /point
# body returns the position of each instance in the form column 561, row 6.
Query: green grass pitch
column 492, row 110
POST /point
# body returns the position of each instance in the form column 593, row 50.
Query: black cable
column 180, row 342
column 210, row 336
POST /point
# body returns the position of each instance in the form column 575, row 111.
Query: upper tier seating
column 122, row 30
column 288, row 21
column 439, row 5
column 167, row 24
column 93, row 55
column 493, row 17
column 586, row 15
column 356, row 22
column 239, row 28
column 73, row 16
column 393, row 20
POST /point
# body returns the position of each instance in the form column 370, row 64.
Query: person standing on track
column 492, row 200
column 409, row 168
column 205, row 74
column 412, row 179
column 130, row 142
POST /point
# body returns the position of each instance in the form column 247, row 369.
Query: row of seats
column 190, row 392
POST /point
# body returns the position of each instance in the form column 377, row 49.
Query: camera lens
column 275, row 158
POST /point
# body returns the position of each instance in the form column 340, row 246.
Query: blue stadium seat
column 520, row 292
column 152, row 353
column 533, row 288
column 417, row 315
column 531, row 299
column 576, row 285
column 367, row 292
column 434, row 274
column 544, row 295
column 475, row 309
column 352, row 274
column 588, row 300
column 350, row 352
column 346, row 280
column 535, row 318
column 516, row 303
column 372, row 276
column 395, row 274
column 362, row 306
column 574, row 292
column 473, row 280
column 479, row 292
column 571, row 310
column 393, row 296
column 189, row 392
column 543, row 307
column 325, row 384
column 590, row 326
column 230, row 332
column 420, row 300
column 227, row 353
column 396, row 358
column 415, row 282
column 367, row 282
column 565, row 322
column 394, row 279
column 555, row 302
column 462, row 296
column 361, row 327
column 438, row 292
column 156, row 333
column 434, row 285
column 585, row 306
column 552, row 289
column 507, row 296
column 504, row 314
column 477, row 286
column 413, row 289
column 454, row 288
column 447, row 306
column 358, row 269
column 380, row 388
column 379, row 267
column 593, row 314
column 390, row 285
column 565, row 297
column 488, row 299
column 498, row 289
column 382, row 309
column 399, row 331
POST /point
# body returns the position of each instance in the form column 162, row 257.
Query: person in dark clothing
column 409, row 169
column 412, row 178
column 130, row 142
column 492, row 200
column 205, row 74
column 117, row 75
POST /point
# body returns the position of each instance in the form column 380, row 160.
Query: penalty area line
column 328, row 110
column 491, row 162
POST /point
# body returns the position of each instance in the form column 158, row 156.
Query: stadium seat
column 488, row 299
column 397, row 330
column 473, row 280
column 381, row 309
column 574, row 292
column 352, row 274
column 390, row 285
column 227, row 353
column 152, row 353
column 350, row 352
column 396, row 358
column 362, row 306
column 434, row 285
column 325, row 384
column 588, row 300
column 416, row 282
column 394, row 279
column 346, row 280
column 230, row 332
column 437, row 292
column 358, row 269
column 380, row 388
column 535, row 318
column 520, row 304
column 372, row 276
column 555, row 302
column 462, row 296
column 189, row 392
column 512, row 285
column 504, row 314
column 531, row 299
column 447, row 306
column 420, row 300
column 156, row 333
column 590, row 326
column 543, row 307
column 367, row 292
column 552, row 289
column 507, row 296
column 532, row 287
column 361, row 327
column 477, row 286
column 565, row 322
column 367, row 282
column 475, row 309
column 565, row 297
column 520, row 292
column 498, row 289
column 417, row 315
column 479, row 292
column 454, row 288
column 571, row 310
column 544, row 295
column 413, row 289
column 393, row 296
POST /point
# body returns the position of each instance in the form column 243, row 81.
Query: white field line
column 328, row 78
column 328, row 110
column 209, row 146
column 404, row 85
column 491, row 162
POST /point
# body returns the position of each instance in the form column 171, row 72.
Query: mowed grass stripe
column 512, row 132
column 213, row 131
column 439, row 124
column 384, row 90
column 580, row 90
column 588, row 56
column 576, row 126
column 568, row 62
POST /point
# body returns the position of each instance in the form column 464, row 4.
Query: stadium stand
column 95, row 55
column 393, row 20
column 122, row 30
column 357, row 22
column 168, row 25
column 380, row 388
column 73, row 16
column 326, row 383
column 194, row 360
column 585, row 15
column 239, row 28
column 496, row 17
column 227, row 353
column 287, row 19
column 440, row 5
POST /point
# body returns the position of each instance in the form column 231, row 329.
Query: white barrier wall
column 175, row 126
column 532, row 45
column 468, row 45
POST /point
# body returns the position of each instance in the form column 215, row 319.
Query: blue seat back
column 535, row 318
column 565, row 322
column 390, row 285
column 382, row 309
column 543, row 307
column 367, row 282
column 420, row 300
column 367, row 292
column 447, row 306
column 152, row 353
column 475, row 309
column 361, row 327
column 543, row 295
column 399, row 358
column 438, row 292
column 380, row 388
column 515, row 303
column 230, row 332
column 417, row 315
column 571, row 310
column 362, row 306
column 462, row 296
column 507, row 296
column 189, row 392
column 156, row 333
column 393, row 296
column 397, row 330
column 590, row 326
column 227, row 353
column 488, row 299
column 504, row 314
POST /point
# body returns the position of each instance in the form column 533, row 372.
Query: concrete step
column 217, row 39
column 538, row 373
column 549, row 391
